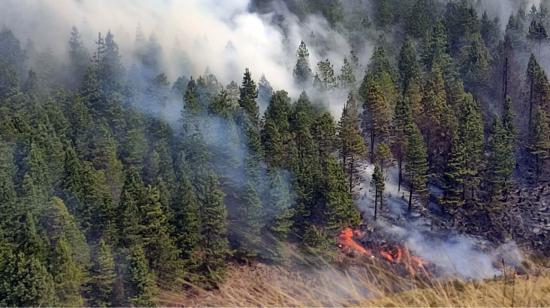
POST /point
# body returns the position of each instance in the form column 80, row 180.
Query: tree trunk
column 400, row 177
column 410, row 198
column 375, row 203
column 351, row 169
column 531, row 94
column 371, row 154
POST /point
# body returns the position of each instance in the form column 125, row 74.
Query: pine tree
column 156, row 240
column 324, row 133
column 347, row 75
column 378, row 181
column 501, row 162
column 409, row 67
column 67, row 274
column 420, row 18
column 326, row 75
column 540, row 142
column 187, row 217
column 214, row 246
column 79, row 59
column 139, row 284
column 128, row 209
column 463, row 169
column 247, row 99
column 350, row 142
column 402, row 118
column 340, row 211
column 302, row 71
column 376, row 111
column 24, row 281
column 417, row 165
column 102, row 276
column 276, row 131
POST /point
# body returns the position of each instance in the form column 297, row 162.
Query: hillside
column 274, row 152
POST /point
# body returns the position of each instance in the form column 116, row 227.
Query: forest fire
column 391, row 253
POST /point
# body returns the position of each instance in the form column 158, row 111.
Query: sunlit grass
column 360, row 282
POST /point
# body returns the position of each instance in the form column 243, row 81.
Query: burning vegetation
column 396, row 255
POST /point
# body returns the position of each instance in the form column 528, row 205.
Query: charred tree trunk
column 505, row 81
column 410, row 198
column 531, row 94
column 371, row 154
column 375, row 203
column 351, row 171
column 400, row 176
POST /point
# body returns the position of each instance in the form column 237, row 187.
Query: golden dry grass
column 369, row 283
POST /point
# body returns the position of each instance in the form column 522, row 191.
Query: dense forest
column 117, row 182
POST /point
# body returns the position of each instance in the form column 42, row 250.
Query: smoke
column 454, row 255
column 222, row 36
column 457, row 255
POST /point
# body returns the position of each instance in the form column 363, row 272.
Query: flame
column 393, row 254
column 346, row 241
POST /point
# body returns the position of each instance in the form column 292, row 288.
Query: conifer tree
column 351, row 144
column 326, row 75
column 409, row 67
column 67, row 274
column 214, row 244
column 347, row 78
column 79, row 58
column 402, row 118
column 102, row 276
column 247, row 100
column 417, row 165
column 540, row 142
column 276, row 130
column 24, row 281
column 378, row 182
column 302, row 71
column 340, row 211
column 139, row 284
column 500, row 161
column 463, row 168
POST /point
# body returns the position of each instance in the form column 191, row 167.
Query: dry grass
column 365, row 283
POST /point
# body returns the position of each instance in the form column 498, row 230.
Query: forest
column 125, row 173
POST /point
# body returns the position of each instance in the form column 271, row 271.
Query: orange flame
column 346, row 241
column 393, row 254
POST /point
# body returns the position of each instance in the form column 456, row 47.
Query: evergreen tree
column 340, row 211
column 102, row 276
column 417, row 165
column 24, row 281
column 67, row 274
column 139, row 283
column 326, row 75
column 214, row 246
column 402, row 118
column 302, row 71
column 409, row 67
column 79, row 59
column 276, row 131
column 463, row 168
column 351, row 145
column 539, row 146
column 421, row 18
column 247, row 100
column 378, row 182
column 347, row 75
column 501, row 161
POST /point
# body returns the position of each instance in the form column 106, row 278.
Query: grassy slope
column 367, row 285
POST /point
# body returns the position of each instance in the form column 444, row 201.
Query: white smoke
column 222, row 36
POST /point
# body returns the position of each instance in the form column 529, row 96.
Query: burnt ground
column 523, row 216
